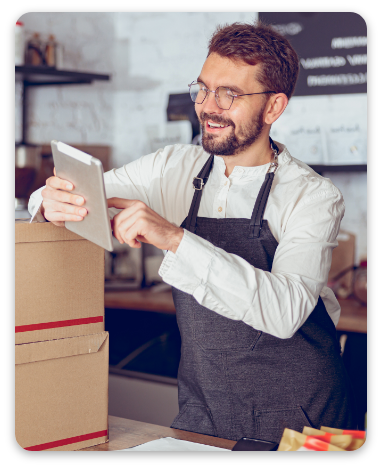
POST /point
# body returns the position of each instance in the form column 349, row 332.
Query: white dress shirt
column 304, row 213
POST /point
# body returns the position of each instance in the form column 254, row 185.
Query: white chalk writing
column 357, row 59
column 323, row 62
column 340, row 79
column 291, row 28
column 348, row 43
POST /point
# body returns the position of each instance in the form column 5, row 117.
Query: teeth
column 213, row 124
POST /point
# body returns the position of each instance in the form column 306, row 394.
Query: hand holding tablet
column 59, row 204
column 76, row 197
column 86, row 211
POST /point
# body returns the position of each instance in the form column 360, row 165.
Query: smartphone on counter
column 247, row 444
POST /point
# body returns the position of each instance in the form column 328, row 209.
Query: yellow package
column 358, row 437
column 293, row 440
column 338, row 440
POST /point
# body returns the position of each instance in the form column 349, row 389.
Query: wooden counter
column 353, row 314
column 143, row 299
column 125, row 433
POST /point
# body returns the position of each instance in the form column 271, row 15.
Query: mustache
column 213, row 117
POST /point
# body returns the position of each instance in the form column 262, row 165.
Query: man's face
column 244, row 120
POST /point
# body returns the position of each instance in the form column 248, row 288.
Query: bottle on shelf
column 34, row 55
column 50, row 52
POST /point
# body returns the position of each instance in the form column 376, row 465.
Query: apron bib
column 235, row 381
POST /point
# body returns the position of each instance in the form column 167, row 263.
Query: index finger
column 58, row 183
column 120, row 203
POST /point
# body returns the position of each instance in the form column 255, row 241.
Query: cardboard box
column 61, row 398
column 59, row 285
column 343, row 257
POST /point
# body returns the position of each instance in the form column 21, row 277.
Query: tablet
column 86, row 174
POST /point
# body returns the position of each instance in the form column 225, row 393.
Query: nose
column 210, row 106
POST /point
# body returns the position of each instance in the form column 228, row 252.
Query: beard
column 232, row 144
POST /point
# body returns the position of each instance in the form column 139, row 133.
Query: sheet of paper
column 169, row 444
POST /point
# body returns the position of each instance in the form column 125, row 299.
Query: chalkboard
column 331, row 48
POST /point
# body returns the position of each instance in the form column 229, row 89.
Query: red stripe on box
column 58, row 324
column 70, row 440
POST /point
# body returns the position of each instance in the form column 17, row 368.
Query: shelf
column 338, row 168
column 42, row 76
column 32, row 75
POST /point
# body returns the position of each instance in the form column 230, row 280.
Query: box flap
column 44, row 350
column 42, row 232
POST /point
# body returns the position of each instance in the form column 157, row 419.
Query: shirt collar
column 252, row 171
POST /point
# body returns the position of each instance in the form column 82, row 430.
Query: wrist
column 177, row 238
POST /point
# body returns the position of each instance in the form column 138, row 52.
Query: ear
column 275, row 107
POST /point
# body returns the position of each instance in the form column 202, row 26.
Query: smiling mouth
column 215, row 126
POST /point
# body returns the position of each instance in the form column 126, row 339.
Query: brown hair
column 259, row 43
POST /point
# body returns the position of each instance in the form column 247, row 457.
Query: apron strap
column 262, row 199
column 198, row 183
column 258, row 210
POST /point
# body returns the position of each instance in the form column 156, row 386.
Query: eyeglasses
column 224, row 96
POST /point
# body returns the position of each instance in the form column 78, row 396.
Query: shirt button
column 220, row 209
column 225, row 184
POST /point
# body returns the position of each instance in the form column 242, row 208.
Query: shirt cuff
column 36, row 215
column 188, row 268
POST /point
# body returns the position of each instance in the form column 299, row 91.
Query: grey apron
column 235, row 381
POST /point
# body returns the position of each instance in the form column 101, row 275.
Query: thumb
column 54, row 171
column 119, row 203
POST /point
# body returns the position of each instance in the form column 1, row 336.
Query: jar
column 19, row 43
column 34, row 53
column 50, row 51
column 360, row 282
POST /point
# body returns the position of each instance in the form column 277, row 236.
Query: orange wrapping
column 358, row 437
column 341, row 441
column 293, row 440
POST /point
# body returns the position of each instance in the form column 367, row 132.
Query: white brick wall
column 74, row 113
column 156, row 54
column 149, row 56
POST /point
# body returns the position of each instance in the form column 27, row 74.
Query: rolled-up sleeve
column 276, row 302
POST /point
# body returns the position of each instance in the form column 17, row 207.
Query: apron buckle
column 254, row 231
column 199, row 184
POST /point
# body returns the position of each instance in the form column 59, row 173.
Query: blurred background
column 115, row 85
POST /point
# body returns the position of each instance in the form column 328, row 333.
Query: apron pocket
column 270, row 424
column 195, row 418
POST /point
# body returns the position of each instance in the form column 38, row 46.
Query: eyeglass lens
column 223, row 96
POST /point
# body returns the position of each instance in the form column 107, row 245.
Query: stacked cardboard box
column 61, row 389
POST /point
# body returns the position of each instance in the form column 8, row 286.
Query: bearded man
column 248, row 232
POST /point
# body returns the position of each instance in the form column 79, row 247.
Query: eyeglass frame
column 222, row 86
